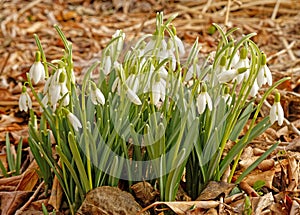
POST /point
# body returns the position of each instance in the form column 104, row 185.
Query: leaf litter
column 90, row 24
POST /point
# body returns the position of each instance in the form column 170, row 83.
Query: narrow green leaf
column 9, row 155
column 19, row 156
column 79, row 163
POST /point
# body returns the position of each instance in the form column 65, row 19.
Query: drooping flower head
column 37, row 70
column 203, row 100
column 264, row 74
column 276, row 112
column 24, row 100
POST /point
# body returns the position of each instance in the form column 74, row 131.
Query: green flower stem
column 39, row 45
column 266, row 94
column 84, row 125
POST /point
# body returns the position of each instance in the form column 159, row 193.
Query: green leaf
column 9, row 155
column 19, row 156
column 235, row 150
column 241, row 122
column 79, row 163
column 258, row 185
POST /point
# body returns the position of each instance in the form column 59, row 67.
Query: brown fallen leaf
column 266, row 176
column 293, row 174
column 29, row 178
column 182, row 208
column 144, row 192
column 56, row 194
column 11, row 201
column 248, row 189
column 263, row 202
column 215, row 189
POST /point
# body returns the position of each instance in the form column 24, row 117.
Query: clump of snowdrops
column 159, row 113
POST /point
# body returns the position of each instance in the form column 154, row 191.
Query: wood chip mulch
column 89, row 25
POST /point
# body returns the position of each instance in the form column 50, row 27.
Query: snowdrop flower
column 107, row 64
column 178, row 42
column 276, row 112
column 44, row 101
column 227, row 98
column 228, row 75
column 24, row 100
column 203, row 100
column 254, row 89
column 132, row 96
column 191, row 71
column 37, row 70
column 97, row 96
column 264, row 74
column 117, row 48
column 158, row 89
column 244, row 62
column 76, row 124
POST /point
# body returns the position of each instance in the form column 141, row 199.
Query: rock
column 109, row 200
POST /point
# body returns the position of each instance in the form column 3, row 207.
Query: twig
column 273, row 17
column 227, row 12
column 282, row 51
column 21, row 210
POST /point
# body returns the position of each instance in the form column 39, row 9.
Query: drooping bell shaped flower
column 264, row 74
column 203, row 99
column 24, row 100
column 276, row 112
column 37, row 70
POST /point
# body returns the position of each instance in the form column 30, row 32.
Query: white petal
column 74, row 121
column 22, row 102
column 227, row 75
column 180, row 45
column 100, row 97
column 254, row 89
column 280, row 113
column 133, row 97
column 208, row 100
column 155, row 93
column 260, row 77
column 201, row 103
column 273, row 114
column 268, row 75
column 107, row 65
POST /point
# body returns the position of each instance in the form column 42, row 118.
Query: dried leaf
column 56, row 194
column 215, row 189
column 11, row 201
column 184, row 207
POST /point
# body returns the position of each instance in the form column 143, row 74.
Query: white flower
column 158, row 89
column 276, row 113
column 243, row 63
column 133, row 97
column 194, row 69
column 97, row 96
column 180, row 45
column 37, row 72
column 25, row 101
column 227, row 98
column 44, row 101
column 107, row 65
column 264, row 76
column 74, row 121
column 202, row 100
column 227, row 75
column 254, row 89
